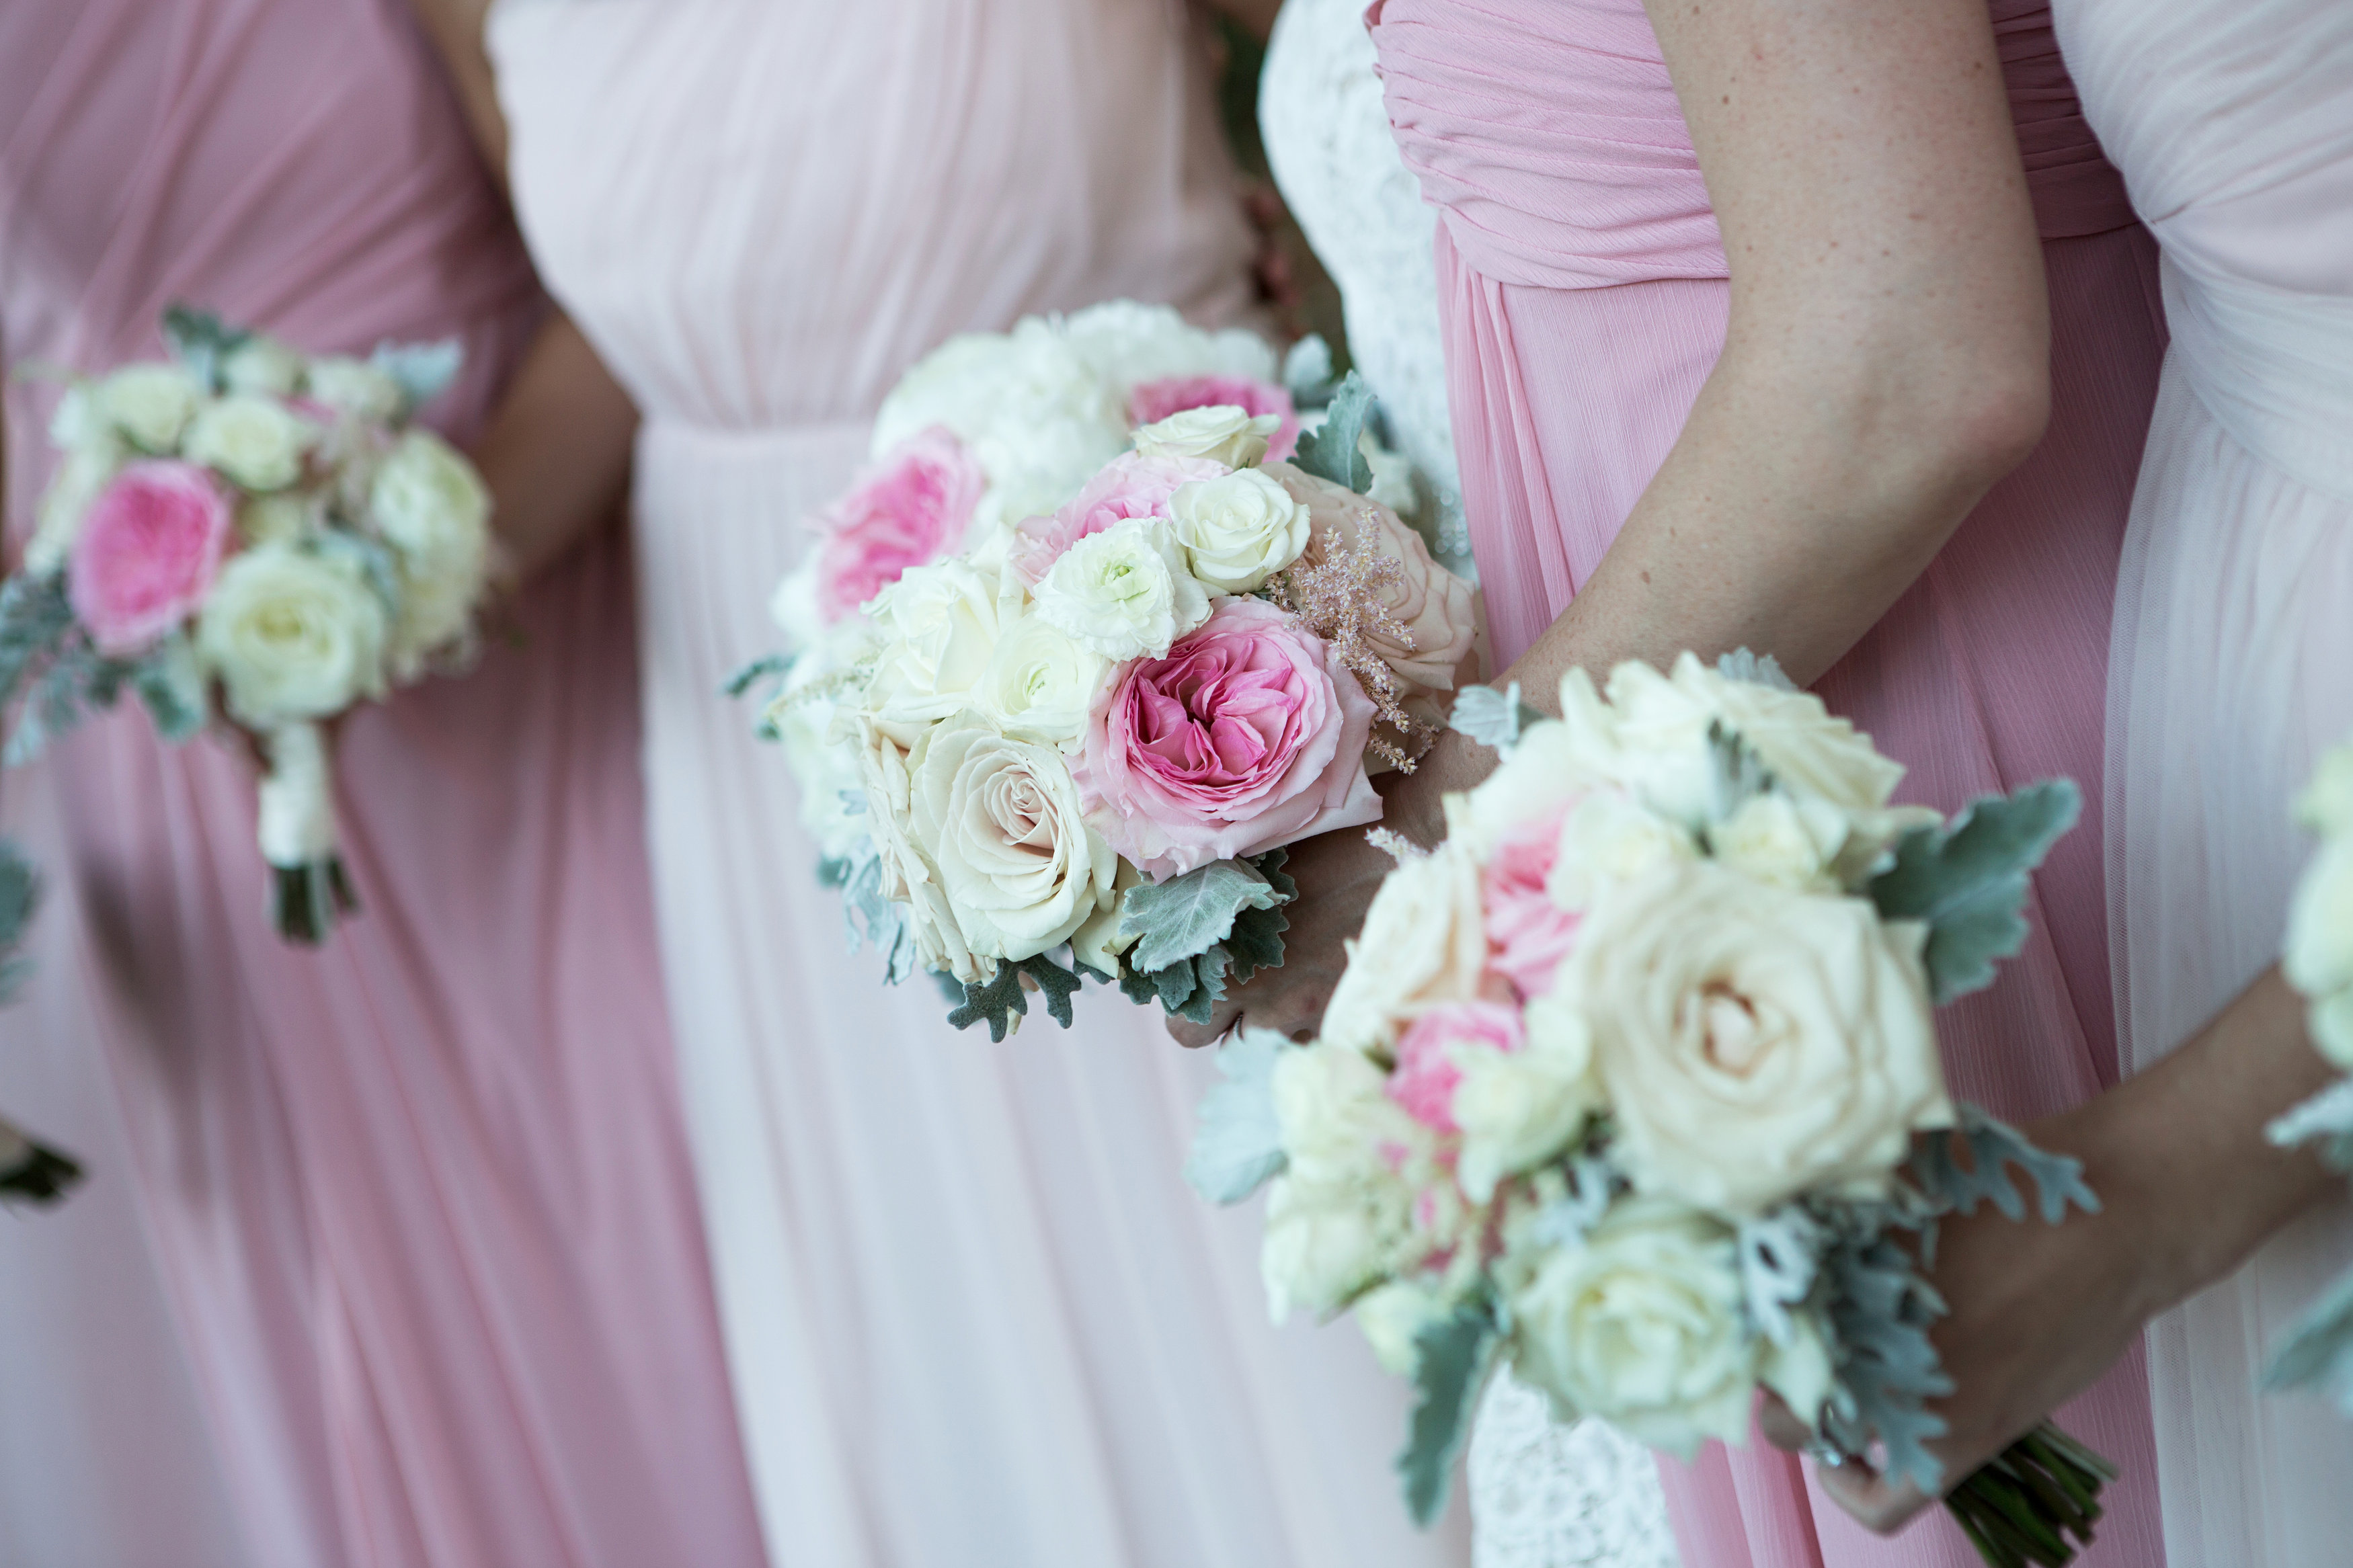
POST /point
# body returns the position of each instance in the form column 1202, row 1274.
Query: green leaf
column 1994, row 1146
column 1238, row 1142
column 1255, row 943
column 1493, row 718
column 1758, row 670
column 2318, row 1353
column 36, row 618
column 20, row 895
column 1330, row 451
column 751, row 674
column 172, row 685
column 1185, row 916
column 201, row 341
column 1000, row 1000
column 422, row 371
column 1191, row 987
column 43, row 1176
column 1969, row 881
column 1454, row 1354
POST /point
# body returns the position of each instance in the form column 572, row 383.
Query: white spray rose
column 1237, row 530
column 1424, row 942
column 151, row 405
column 1125, row 592
column 262, row 366
column 1217, row 431
column 434, row 511
column 1002, row 820
column 1542, row 774
column 1791, row 841
column 1756, row 1043
column 1607, row 840
column 1340, row 1215
column 1518, row 1109
column 355, row 388
column 1039, row 684
column 291, row 635
column 1641, row 1326
column 939, row 626
column 255, row 443
column 1127, row 342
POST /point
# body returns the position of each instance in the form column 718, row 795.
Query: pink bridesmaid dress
column 1582, row 284
column 418, row 1202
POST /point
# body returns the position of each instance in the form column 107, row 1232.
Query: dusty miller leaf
column 1237, row 1141
column 201, row 341
column 772, row 666
column 422, row 371
column 1454, row 1356
column 1737, row 775
column 2318, row 1353
column 1969, row 881
column 1330, row 450
column 1493, row 718
column 172, row 685
column 1758, row 670
column 1307, row 369
column 1000, row 999
column 20, row 894
column 1185, row 916
column 1994, row 1146
column 35, row 619
column 2327, row 1115
column 1780, row 1259
column 1887, row 1369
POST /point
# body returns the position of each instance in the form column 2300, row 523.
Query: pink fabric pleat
column 416, row 1206
column 1583, row 293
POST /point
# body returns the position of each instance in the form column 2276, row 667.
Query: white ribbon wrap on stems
column 298, row 799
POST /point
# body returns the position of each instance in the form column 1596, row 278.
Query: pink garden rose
column 1245, row 736
column 909, row 510
column 1154, row 401
column 1425, row 1075
column 1527, row 933
column 147, row 554
column 1129, row 486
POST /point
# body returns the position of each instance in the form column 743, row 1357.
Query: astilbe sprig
column 1338, row 598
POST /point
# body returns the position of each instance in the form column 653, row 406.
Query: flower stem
column 2034, row 1504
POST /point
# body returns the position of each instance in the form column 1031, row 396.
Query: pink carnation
column 1154, row 401
column 1129, row 486
column 1426, row 1076
column 1527, row 933
column 1248, row 735
column 147, row 554
column 907, row 511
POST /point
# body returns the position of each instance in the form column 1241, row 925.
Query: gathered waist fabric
column 702, row 478
column 2274, row 367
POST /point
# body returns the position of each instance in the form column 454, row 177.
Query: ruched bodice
column 751, row 241
column 1551, row 141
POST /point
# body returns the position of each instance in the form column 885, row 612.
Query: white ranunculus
column 296, row 820
column 1217, row 431
column 939, row 626
column 1755, row 1043
column 1127, row 342
column 1424, row 943
column 1641, row 1326
column 908, row 875
column 1793, row 841
column 255, row 443
column 1125, row 592
column 1518, row 1109
column 1001, row 819
column 355, row 388
column 433, row 509
column 262, row 366
column 1039, row 684
column 1608, row 839
column 1237, row 530
column 2319, row 953
column 291, row 635
column 151, row 405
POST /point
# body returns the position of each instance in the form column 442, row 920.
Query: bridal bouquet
column 1633, row 1083
column 246, row 521
column 1050, row 722
column 2318, row 961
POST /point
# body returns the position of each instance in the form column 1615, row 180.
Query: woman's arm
column 555, row 452
column 1887, row 360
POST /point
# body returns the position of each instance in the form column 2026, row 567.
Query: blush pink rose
column 1129, row 486
column 147, row 554
column 1527, row 933
column 1426, row 1076
column 1247, row 735
column 1154, row 401
column 909, row 510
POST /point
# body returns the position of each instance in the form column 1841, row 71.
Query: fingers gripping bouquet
column 246, row 521
column 1073, row 739
column 1632, row 1082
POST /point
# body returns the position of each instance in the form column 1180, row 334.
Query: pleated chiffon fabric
column 1584, row 290
column 416, row 1206
column 973, row 1315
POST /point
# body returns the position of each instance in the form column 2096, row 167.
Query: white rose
column 291, row 635
column 1424, row 942
column 262, row 366
column 1001, row 819
column 908, row 875
column 150, row 404
column 1607, row 840
column 1322, row 1243
column 1040, row 685
column 255, row 443
column 1125, row 592
column 1756, row 1043
column 1127, row 342
column 1218, row 431
column 1541, row 776
column 939, row 630
column 433, row 509
column 355, row 388
column 1790, row 841
column 1518, row 1109
column 2319, row 953
column 1237, row 530
column 1641, row 1326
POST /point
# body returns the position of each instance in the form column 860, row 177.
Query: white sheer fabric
column 1542, row 1495
column 2232, row 123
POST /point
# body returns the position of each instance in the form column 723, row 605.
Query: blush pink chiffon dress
column 400, row 1233
column 1583, row 290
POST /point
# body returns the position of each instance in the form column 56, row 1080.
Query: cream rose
column 283, row 517
column 1518, row 1109
column 1340, row 1215
column 291, row 635
column 1755, row 1043
column 355, row 388
column 1220, row 432
column 1793, row 841
column 1039, row 684
column 1125, row 593
column 908, row 875
column 433, row 509
column 1641, row 1326
column 262, row 366
column 1607, row 840
column 255, row 443
column 939, row 627
column 151, row 405
column 1423, row 943
column 1002, row 822
column 1237, row 530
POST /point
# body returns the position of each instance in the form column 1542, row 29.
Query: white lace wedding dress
column 1542, row 1495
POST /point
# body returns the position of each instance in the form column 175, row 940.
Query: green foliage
column 1330, row 451
column 307, row 900
column 1185, row 916
column 201, row 341
column 1993, row 1147
column 1493, row 719
column 1454, row 1356
column 20, row 895
column 1238, row 1144
column 1000, row 999
column 2318, row 1353
column 43, row 1176
column 1881, row 1310
column 422, row 371
column 172, row 684
column 1191, row 987
column 1969, row 881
